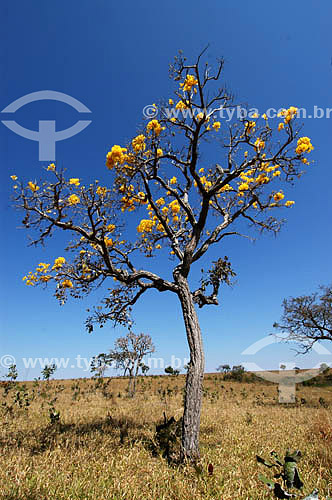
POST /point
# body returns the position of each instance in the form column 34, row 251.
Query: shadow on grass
column 71, row 435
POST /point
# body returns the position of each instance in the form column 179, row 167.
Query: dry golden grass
column 102, row 449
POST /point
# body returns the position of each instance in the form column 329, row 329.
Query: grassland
column 104, row 445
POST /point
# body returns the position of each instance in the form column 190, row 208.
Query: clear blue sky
column 113, row 57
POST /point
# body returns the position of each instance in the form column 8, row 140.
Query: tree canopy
column 308, row 318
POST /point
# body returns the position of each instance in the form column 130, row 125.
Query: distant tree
column 236, row 373
column 224, row 368
column 170, row 371
column 48, row 371
column 12, row 373
column 127, row 355
column 282, row 367
column 324, row 368
column 98, row 366
column 307, row 319
column 144, row 368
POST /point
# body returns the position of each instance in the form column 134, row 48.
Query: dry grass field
column 104, row 445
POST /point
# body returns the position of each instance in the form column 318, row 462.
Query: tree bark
column 195, row 374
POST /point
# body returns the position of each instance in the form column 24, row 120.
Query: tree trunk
column 195, row 374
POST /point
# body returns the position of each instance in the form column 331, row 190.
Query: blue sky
column 113, row 57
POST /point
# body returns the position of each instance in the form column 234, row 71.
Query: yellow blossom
column 51, row 167
column 216, row 126
column 159, row 152
column 181, row 105
column 101, row 191
column 59, row 263
column 67, row 284
column 289, row 203
column 160, row 202
column 250, row 126
column 13, row 177
column 170, row 102
column 108, row 241
column 155, row 126
column 145, row 226
column 290, row 114
column 173, row 180
column 110, row 228
column 138, row 143
column 115, row 156
column 281, row 126
column 278, row 196
column 189, row 82
column 175, row 207
column 74, row 181
column 304, row 145
column 33, row 186
column 259, row 144
column 73, row 199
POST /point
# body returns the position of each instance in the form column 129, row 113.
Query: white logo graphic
column 288, row 376
column 46, row 136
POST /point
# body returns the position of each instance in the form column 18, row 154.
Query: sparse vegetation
column 95, row 447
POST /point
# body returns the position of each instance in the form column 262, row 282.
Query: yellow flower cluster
column 259, row 144
column 13, row 177
column 173, row 180
column 289, row 113
column 73, row 199
column 155, row 126
column 262, row 179
column 74, row 181
column 206, row 183
column 160, row 202
column 101, row 191
column 116, row 156
column 250, row 127
column 189, row 82
column 30, row 279
column 304, row 145
column 110, row 227
column 216, row 126
column 279, row 196
column 159, row 152
column 42, row 267
column 58, row 263
column 108, row 241
column 181, row 105
column 289, row 203
column 138, row 143
column 244, row 186
column 175, row 207
column 67, row 284
column 145, row 226
column 33, row 186
column 51, row 167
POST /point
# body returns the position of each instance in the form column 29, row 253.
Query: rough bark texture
column 194, row 382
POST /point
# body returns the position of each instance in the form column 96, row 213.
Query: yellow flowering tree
column 182, row 204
